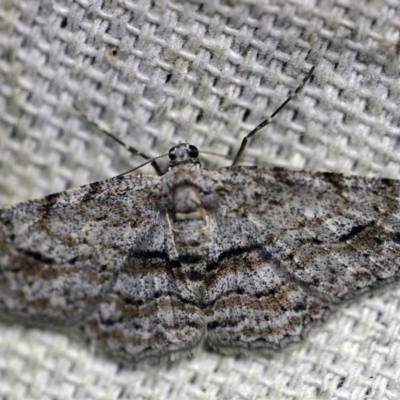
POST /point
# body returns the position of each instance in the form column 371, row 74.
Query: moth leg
column 129, row 148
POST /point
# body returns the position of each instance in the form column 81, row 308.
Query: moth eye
column 171, row 153
column 193, row 151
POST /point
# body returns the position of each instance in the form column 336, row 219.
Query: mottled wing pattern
column 60, row 255
column 152, row 311
column 283, row 248
column 322, row 237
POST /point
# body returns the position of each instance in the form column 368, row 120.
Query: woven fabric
column 156, row 72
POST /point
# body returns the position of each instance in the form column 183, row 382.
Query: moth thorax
column 186, row 202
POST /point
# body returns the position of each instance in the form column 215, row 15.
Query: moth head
column 183, row 153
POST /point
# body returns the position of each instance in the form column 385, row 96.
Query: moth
column 239, row 259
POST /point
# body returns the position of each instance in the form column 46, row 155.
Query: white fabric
column 156, row 72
